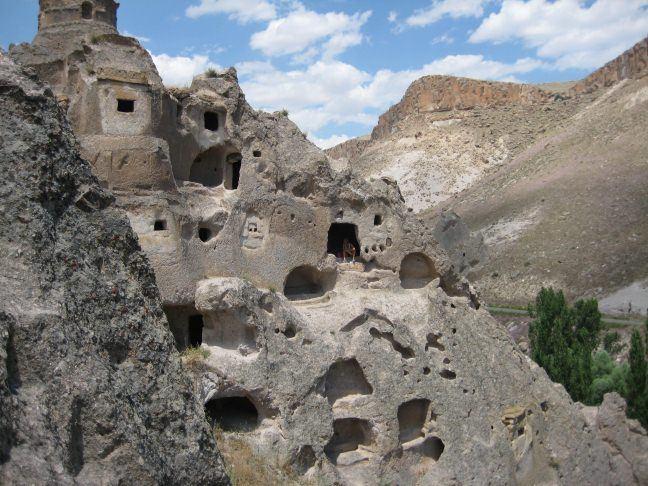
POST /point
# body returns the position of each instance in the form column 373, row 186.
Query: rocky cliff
column 632, row 64
column 447, row 93
column 330, row 337
column 92, row 390
column 577, row 151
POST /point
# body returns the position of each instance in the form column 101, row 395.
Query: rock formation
column 375, row 367
column 632, row 64
column 551, row 180
column 92, row 390
column 431, row 94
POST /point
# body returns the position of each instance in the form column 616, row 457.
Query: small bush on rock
column 194, row 357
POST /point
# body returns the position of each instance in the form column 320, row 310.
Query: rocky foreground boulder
column 92, row 390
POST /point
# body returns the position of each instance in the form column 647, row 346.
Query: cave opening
column 417, row 271
column 195, row 330
column 233, row 171
column 125, row 106
column 307, row 282
column 86, row 10
column 211, row 121
column 232, row 414
column 338, row 234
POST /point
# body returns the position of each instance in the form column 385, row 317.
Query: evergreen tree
column 637, row 390
column 562, row 340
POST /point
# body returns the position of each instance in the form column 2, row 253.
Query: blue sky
column 337, row 64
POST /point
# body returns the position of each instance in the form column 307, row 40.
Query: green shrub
column 607, row 377
column 284, row 112
column 612, row 342
column 211, row 73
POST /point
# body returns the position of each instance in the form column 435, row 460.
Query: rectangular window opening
column 126, row 106
column 211, row 121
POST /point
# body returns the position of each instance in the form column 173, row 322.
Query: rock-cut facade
column 341, row 343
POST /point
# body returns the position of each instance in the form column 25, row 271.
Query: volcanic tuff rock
column 338, row 342
column 92, row 390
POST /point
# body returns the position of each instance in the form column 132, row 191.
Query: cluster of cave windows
column 217, row 166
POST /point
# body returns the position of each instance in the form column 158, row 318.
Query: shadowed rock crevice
column 74, row 461
column 405, row 351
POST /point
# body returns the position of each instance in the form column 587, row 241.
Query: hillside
column 557, row 183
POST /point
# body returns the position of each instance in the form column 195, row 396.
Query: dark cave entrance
column 211, row 121
column 338, row 233
column 232, row 414
column 196, row 325
column 86, row 10
column 233, row 171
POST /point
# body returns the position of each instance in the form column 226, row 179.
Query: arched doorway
column 86, row 10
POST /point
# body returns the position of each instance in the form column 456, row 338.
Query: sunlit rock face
column 340, row 343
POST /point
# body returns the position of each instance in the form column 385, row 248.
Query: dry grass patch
column 194, row 358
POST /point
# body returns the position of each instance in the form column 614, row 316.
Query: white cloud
column 445, row 8
column 328, row 142
column 305, row 30
column 140, row 38
column 392, row 17
column 242, row 11
column 330, row 92
column 570, row 32
column 180, row 70
column 443, row 39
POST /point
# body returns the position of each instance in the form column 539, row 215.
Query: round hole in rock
column 232, row 414
column 417, row 270
column 290, row 332
column 307, row 282
column 448, row 374
column 205, row 234
column 432, row 447
column 348, row 434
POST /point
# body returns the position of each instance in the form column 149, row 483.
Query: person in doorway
column 348, row 250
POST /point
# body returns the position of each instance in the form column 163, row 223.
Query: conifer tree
column 637, row 389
